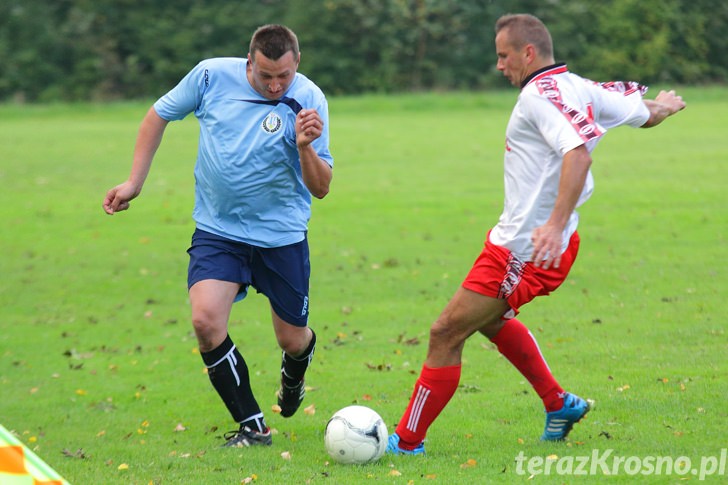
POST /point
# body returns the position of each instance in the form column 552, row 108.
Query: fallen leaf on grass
column 394, row 473
column 123, row 466
column 276, row 409
column 469, row 464
column 180, row 427
column 286, row 455
column 310, row 410
column 78, row 454
column 469, row 388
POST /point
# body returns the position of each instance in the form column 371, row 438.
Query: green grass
column 98, row 365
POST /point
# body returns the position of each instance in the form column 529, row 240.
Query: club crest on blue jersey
column 272, row 123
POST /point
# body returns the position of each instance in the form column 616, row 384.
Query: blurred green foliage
column 129, row 49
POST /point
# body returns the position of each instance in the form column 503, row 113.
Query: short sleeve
column 621, row 104
column 186, row 97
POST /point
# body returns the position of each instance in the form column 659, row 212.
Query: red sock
column 519, row 346
column 433, row 391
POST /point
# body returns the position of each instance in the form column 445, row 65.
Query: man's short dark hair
column 273, row 41
column 526, row 29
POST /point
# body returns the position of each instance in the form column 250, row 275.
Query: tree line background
column 69, row 50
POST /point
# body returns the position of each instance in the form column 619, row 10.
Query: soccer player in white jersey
column 263, row 152
column 557, row 121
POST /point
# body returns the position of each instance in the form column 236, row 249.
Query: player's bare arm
column 665, row 104
column 547, row 239
column 317, row 173
column 150, row 136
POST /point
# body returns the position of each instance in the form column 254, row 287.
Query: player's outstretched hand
column 673, row 102
column 117, row 199
column 665, row 104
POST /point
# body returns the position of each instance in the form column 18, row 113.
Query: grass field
column 99, row 372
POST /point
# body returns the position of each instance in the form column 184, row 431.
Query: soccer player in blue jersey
column 263, row 152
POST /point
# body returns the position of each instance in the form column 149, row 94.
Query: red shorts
column 497, row 273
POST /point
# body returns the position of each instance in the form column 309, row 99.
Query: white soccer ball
column 356, row 435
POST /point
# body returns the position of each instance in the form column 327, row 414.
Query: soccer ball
column 356, row 435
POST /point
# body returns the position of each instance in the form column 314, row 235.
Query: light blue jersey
column 249, row 185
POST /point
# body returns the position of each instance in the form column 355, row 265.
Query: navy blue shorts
column 281, row 274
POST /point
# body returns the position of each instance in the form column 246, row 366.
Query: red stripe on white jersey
column 625, row 88
column 583, row 123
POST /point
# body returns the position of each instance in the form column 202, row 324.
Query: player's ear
column 530, row 52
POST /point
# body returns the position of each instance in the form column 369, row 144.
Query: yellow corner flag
column 20, row 466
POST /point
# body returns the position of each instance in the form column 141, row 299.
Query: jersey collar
column 545, row 71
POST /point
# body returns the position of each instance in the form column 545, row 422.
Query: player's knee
column 294, row 344
column 445, row 332
column 288, row 346
column 207, row 329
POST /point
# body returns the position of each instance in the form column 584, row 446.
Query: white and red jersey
column 556, row 112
